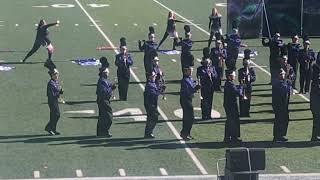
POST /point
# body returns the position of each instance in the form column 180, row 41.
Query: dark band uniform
column 187, row 90
column 306, row 57
column 218, row 56
column 315, row 101
column 208, row 81
column 232, row 126
column 187, row 59
column 275, row 46
column 148, row 47
column 53, row 92
column 123, row 62
column 246, row 76
column 234, row 43
column 280, row 103
column 293, row 57
column 151, row 94
column 104, row 93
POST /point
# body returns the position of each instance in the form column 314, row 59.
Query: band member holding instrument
column 151, row 94
column 160, row 80
column 293, row 55
column 231, row 91
column 315, row 99
column 207, row 76
column 275, row 44
column 187, row 59
column 234, row 43
column 42, row 39
column 306, row 57
column 218, row 56
column 104, row 93
column 171, row 30
column 214, row 24
column 187, row 90
column 123, row 61
column 147, row 47
column 247, row 76
column 53, row 92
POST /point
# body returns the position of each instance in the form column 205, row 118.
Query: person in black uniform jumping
column 104, row 93
column 54, row 91
column 42, row 39
column 171, row 30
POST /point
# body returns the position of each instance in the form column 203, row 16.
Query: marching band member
column 151, row 94
column 280, row 105
column 123, row 62
column 160, row 81
column 171, row 30
column 214, row 25
column 306, row 57
column 147, row 47
column 104, row 93
column 42, row 39
column 231, row 91
column 293, row 55
column 233, row 46
column 187, row 90
column 54, row 91
column 187, row 59
column 207, row 77
column 247, row 76
column 218, row 56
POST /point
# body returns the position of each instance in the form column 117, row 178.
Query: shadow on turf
column 270, row 104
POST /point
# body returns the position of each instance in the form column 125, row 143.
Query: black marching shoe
column 236, row 140
column 280, row 139
column 107, row 135
column 149, row 136
column 226, row 140
column 51, row 133
column 56, row 133
column 185, row 137
column 315, row 139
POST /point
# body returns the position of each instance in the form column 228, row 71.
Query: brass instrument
column 162, row 86
column 198, row 83
column 60, row 99
column 244, row 81
column 113, row 92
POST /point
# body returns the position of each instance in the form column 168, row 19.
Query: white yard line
column 285, row 169
column 80, row 112
column 206, row 32
column 122, row 172
column 36, row 174
column 173, row 129
column 163, row 172
column 79, row 173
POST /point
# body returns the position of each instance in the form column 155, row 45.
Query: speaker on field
column 240, row 159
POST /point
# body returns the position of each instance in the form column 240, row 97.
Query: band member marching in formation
column 187, row 90
column 218, row 56
column 280, row 105
column 187, row 59
column 315, row 99
column 214, row 25
column 104, row 62
column 293, row 55
column 306, row 57
column 290, row 76
column 151, row 94
column 246, row 77
column 148, row 46
column 160, row 80
column 123, row 61
column 233, row 46
column 104, row 93
column 231, row 91
column 54, row 91
column 42, row 39
column 171, row 30
column 207, row 77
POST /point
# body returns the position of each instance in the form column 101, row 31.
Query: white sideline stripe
column 81, row 112
column 122, row 172
column 199, row 60
column 173, row 60
column 206, row 32
column 285, row 169
column 41, row 6
column 79, row 173
column 163, row 172
column 173, row 129
column 36, row 174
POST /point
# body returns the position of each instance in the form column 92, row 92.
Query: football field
column 26, row 151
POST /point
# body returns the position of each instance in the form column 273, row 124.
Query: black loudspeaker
column 241, row 175
column 237, row 159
